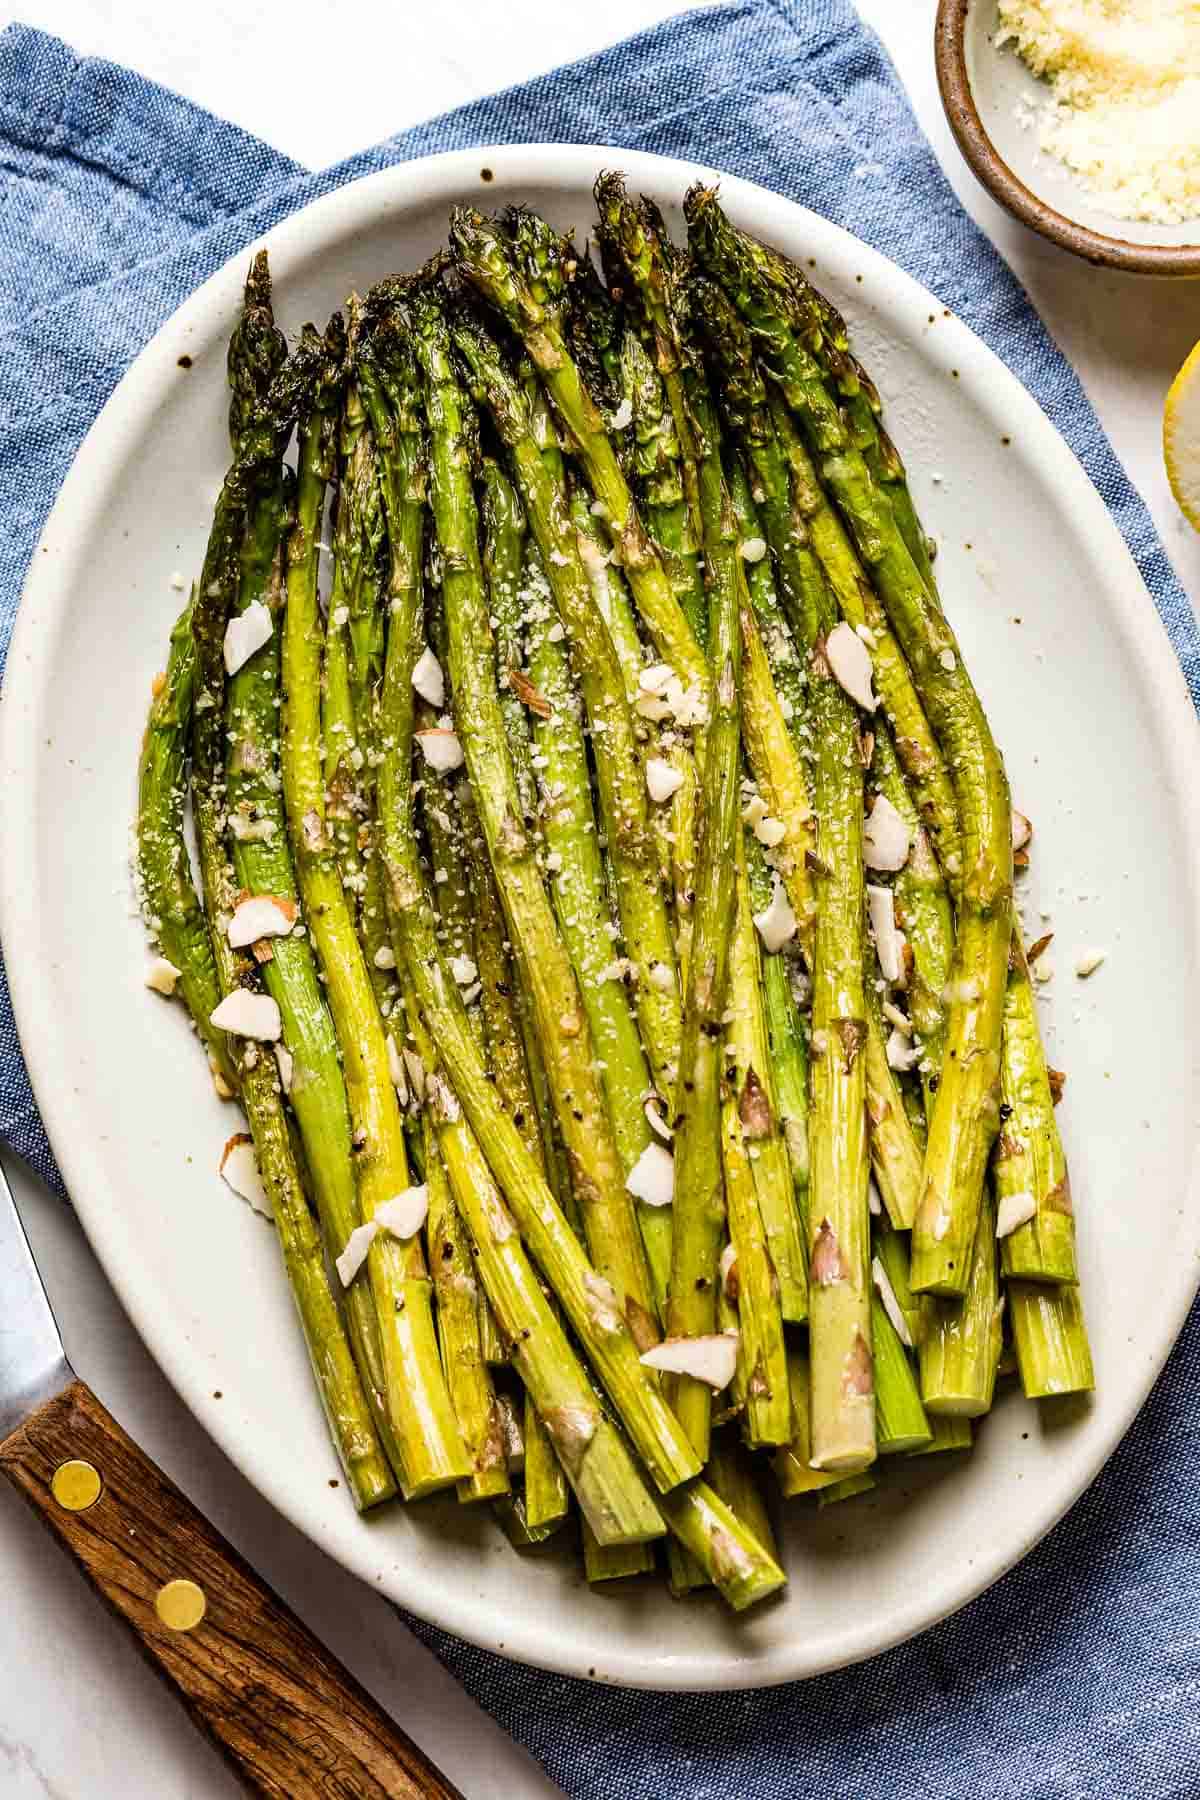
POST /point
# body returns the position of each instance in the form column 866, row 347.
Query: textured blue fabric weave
column 1078, row 1676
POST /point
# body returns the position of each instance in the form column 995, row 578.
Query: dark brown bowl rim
column 993, row 172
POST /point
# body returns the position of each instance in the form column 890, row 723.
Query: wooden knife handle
column 283, row 1711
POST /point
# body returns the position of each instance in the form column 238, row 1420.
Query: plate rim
column 29, row 675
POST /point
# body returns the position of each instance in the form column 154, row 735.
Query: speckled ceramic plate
column 1101, row 744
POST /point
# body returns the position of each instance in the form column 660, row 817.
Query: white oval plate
column 1101, row 742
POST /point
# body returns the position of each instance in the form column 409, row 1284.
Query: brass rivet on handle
column 76, row 1485
column 180, row 1605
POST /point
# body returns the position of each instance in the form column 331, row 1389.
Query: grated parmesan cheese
column 1123, row 110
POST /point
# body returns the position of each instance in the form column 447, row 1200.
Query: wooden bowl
column 980, row 84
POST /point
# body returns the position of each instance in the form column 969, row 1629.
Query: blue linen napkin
column 1078, row 1674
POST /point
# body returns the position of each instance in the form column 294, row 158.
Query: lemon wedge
column 1181, row 438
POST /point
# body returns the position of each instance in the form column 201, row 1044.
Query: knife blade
column 33, row 1364
column 273, row 1700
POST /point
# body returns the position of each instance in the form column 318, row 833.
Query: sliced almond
column 899, row 1019
column 770, row 832
column 655, row 1120
column 240, row 1171
column 1022, row 830
column 889, row 1302
column 881, row 909
column 850, row 661
column 405, row 1213
column 661, row 779
column 441, row 750
column 428, row 679
column 260, row 916
column 246, row 634
column 654, row 680
column 652, row 1177
column 161, row 976
column 355, row 1253
column 886, row 840
column 248, row 1015
column 687, row 703
column 776, row 924
column 711, row 1359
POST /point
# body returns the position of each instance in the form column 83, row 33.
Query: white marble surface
column 80, row 1717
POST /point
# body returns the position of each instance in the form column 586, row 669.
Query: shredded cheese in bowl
column 1123, row 111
